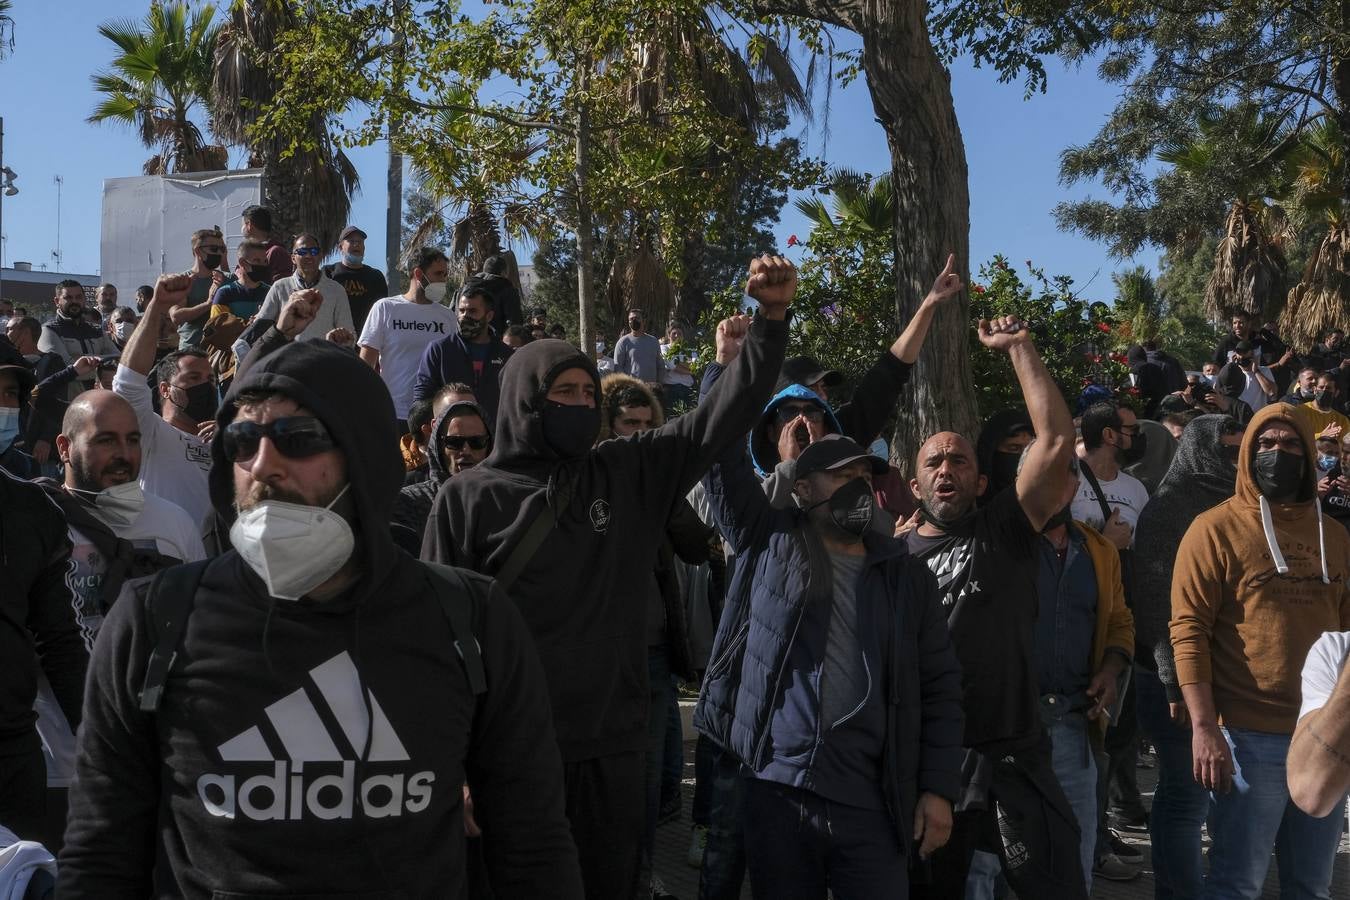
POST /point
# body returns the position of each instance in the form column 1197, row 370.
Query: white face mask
column 123, row 330
column 292, row 547
column 435, row 292
column 118, row 506
column 9, row 426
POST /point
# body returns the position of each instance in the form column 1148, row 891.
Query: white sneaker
column 698, row 842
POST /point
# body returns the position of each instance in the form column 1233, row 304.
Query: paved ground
column 673, row 846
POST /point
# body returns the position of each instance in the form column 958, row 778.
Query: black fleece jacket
column 256, row 776
column 581, row 593
column 37, row 613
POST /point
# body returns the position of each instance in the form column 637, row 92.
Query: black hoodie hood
column 1002, row 424
column 355, row 406
column 518, row 444
column 435, row 458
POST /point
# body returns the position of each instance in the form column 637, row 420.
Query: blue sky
column 1012, row 147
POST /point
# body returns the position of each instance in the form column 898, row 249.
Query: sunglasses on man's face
column 293, row 436
column 306, row 251
column 459, row 442
column 789, row 411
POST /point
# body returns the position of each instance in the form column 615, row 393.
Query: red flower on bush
column 792, row 240
column 979, row 289
column 1103, row 328
column 1133, row 392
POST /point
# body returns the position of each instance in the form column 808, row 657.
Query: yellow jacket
column 1115, row 623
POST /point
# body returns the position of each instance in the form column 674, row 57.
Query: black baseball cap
column 806, row 371
column 835, row 451
column 351, row 230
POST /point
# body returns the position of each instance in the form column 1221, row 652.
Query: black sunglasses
column 789, row 411
column 458, row 442
column 293, row 436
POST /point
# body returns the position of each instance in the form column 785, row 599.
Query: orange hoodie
column 1254, row 586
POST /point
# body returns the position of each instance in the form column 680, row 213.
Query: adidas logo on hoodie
column 328, row 790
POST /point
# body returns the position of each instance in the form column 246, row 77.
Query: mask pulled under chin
column 118, row 506
column 851, row 507
column 957, row 525
column 570, row 431
column 292, row 547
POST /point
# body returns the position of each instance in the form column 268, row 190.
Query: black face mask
column 1138, row 444
column 202, row 402
column 570, row 431
column 470, row 327
column 211, row 260
column 851, row 507
column 1003, row 471
column 1323, row 399
column 1279, row 474
column 1063, row 517
column 258, row 273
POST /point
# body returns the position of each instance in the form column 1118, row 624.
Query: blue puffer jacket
column 921, row 680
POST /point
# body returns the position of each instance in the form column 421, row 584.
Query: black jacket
column 777, row 575
column 256, row 771
column 447, row 361
column 37, row 615
column 413, row 505
column 580, row 592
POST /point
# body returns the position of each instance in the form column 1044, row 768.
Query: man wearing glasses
column 313, row 725
column 208, row 251
column 333, row 319
column 1111, row 439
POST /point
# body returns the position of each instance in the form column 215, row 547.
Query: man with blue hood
column 800, row 414
column 567, row 527
column 307, row 723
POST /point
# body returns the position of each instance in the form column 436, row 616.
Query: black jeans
column 606, row 805
column 23, row 794
column 798, row 846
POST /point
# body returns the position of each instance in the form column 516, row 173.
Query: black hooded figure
column 1229, row 383
column 582, row 590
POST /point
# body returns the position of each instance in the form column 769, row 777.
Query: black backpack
column 172, row 593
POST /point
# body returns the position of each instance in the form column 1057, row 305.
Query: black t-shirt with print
column 364, row 286
column 986, row 572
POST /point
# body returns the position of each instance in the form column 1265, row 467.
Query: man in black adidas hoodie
column 317, row 746
column 576, row 589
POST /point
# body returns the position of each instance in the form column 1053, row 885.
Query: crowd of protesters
column 313, row 590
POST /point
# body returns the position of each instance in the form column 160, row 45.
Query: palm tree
column 6, row 28
column 1321, row 299
column 860, row 203
column 161, row 72
column 309, row 190
column 1249, row 263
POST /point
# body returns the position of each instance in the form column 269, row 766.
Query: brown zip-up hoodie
column 1255, row 584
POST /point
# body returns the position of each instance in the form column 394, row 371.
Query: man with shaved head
column 986, row 563
column 116, row 532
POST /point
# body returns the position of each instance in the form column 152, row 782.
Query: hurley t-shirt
column 174, row 464
column 1322, row 669
column 986, row 572
column 401, row 331
column 1124, row 492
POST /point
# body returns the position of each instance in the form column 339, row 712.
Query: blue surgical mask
column 353, row 259
column 1325, row 463
column 9, row 426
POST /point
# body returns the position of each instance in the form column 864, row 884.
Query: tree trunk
column 692, row 298
column 283, row 195
column 912, row 97
column 585, row 226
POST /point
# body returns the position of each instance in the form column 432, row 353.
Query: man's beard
column 261, row 491
column 91, row 482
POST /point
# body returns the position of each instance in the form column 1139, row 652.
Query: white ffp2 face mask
column 435, row 292
column 292, row 547
column 120, row 505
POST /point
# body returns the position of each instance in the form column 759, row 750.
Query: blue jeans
column 1076, row 771
column 800, row 846
column 1180, row 805
column 724, row 859
column 1256, row 816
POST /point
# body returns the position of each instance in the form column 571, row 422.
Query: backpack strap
column 533, row 538
column 168, row 602
column 455, row 595
column 1097, row 489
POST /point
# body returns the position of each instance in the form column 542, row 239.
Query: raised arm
column 1319, row 757
column 170, row 291
column 1044, row 477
